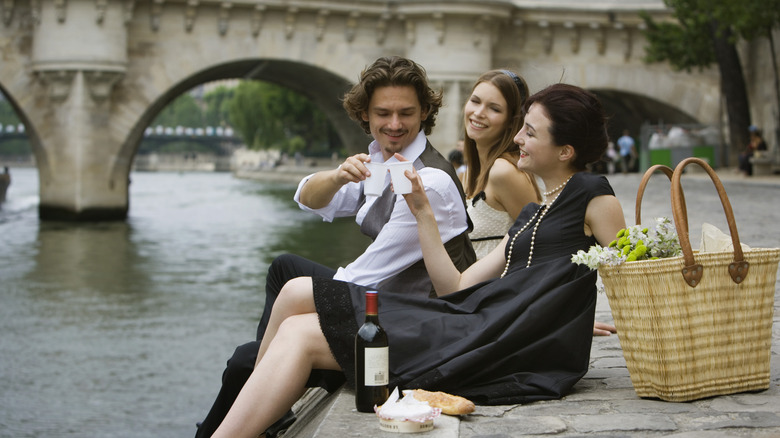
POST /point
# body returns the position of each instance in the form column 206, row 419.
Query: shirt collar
column 410, row 152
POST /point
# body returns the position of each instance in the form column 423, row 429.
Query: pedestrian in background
column 756, row 144
column 627, row 151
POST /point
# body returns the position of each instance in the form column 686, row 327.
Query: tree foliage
column 7, row 114
column 688, row 42
column 705, row 33
column 750, row 18
column 216, row 102
column 183, row 111
column 250, row 112
column 270, row 116
column 685, row 45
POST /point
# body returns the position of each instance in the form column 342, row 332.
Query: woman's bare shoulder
column 503, row 168
column 505, row 173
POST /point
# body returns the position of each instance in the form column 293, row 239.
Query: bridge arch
column 646, row 92
column 681, row 98
column 23, row 119
column 321, row 86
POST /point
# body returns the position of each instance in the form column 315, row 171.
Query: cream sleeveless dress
column 490, row 225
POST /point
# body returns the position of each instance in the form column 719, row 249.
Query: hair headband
column 518, row 82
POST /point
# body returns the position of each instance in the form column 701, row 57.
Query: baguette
column 448, row 403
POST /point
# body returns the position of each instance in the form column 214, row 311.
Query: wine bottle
column 371, row 360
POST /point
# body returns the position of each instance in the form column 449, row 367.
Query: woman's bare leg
column 295, row 298
column 279, row 379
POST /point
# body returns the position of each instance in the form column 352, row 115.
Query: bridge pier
column 81, row 177
column 76, row 184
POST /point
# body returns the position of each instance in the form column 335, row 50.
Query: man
column 456, row 159
column 627, row 151
column 756, row 143
column 394, row 103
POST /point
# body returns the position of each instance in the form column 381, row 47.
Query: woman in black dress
column 514, row 327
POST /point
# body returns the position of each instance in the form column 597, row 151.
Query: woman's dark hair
column 397, row 72
column 577, row 119
column 514, row 90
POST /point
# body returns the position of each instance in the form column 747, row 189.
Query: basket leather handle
column 643, row 184
column 692, row 271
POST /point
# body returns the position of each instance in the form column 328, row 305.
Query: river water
column 122, row 329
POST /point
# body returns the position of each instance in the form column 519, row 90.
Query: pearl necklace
column 546, row 194
column 543, row 209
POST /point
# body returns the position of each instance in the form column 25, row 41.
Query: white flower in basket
column 634, row 243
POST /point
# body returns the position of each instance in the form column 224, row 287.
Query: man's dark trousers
column 240, row 365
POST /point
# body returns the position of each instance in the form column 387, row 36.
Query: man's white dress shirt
column 397, row 246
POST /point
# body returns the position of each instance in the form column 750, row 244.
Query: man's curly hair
column 392, row 71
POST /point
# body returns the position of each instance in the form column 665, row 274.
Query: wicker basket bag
column 696, row 325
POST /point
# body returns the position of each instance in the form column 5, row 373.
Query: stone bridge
column 87, row 77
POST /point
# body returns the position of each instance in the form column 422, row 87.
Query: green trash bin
column 672, row 156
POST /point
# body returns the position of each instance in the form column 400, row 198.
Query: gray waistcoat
column 415, row 278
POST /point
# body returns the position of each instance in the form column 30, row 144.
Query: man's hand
column 353, row 169
column 322, row 186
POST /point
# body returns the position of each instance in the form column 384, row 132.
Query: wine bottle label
column 376, row 370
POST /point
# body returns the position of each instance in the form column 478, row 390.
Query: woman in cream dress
column 496, row 190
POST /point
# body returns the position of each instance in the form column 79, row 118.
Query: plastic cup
column 374, row 184
column 401, row 184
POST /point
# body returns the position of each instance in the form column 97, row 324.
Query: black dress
column 516, row 339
